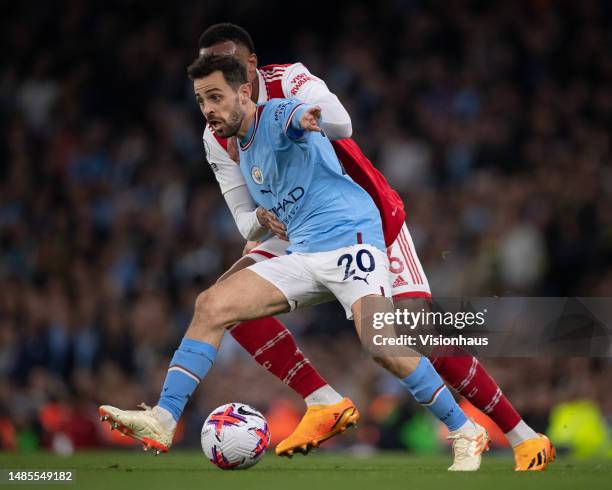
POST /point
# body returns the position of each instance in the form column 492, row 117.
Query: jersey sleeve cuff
column 294, row 129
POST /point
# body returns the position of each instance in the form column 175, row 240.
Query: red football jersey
column 361, row 170
column 356, row 164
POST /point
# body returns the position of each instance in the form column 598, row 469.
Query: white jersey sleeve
column 233, row 187
column 243, row 210
column 227, row 171
column 298, row 82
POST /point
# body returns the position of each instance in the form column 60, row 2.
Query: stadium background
column 491, row 118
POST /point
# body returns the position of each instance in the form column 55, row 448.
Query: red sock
column 273, row 346
column 464, row 373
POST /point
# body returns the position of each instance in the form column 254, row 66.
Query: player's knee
column 202, row 304
column 209, row 306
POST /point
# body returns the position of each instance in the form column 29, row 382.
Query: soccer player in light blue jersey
column 336, row 250
column 295, row 174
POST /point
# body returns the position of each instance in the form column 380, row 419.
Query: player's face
column 239, row 52
column 222, row 106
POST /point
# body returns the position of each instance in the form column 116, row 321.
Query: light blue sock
column 429, row 390
column 190, row 363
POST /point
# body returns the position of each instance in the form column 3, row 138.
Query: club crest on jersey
column 257, row 175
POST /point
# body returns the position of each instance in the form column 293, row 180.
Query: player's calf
column 400, row 367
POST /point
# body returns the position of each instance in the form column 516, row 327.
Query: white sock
column 325, row 395
column 165, row 418
column 469, row 426
column 520, row 433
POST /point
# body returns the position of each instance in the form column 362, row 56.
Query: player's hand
column 232, row 149
column 310, row 119
column 268, row 220
column 248, row 247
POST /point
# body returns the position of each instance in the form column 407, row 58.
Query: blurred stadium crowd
column 491, row 118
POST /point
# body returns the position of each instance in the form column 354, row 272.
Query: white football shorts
column 348, row 274
column 406, row 274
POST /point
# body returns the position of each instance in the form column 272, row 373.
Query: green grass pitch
column 182, row 470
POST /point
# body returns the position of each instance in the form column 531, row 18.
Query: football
column 235, row 436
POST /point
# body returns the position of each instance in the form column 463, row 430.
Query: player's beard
column 232, row 126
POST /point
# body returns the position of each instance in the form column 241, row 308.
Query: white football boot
column 143, row 425
column 468, row 446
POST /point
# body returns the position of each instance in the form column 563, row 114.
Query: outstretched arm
column 310, row 119
column 298, row 82
column 296, row 118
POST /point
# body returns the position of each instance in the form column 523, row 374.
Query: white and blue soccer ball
column 235, row 436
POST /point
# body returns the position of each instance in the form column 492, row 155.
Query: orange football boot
column 534, row 454
column 319, row 423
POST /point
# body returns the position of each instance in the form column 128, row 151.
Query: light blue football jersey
column 296, row 175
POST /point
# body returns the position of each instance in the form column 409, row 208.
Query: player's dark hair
column 234, row 71
column 223, row 32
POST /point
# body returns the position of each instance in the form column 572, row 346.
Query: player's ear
column 245, row 91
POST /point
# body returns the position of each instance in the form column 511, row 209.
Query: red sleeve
column 363, row 172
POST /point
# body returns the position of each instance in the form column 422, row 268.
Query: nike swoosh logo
column 242, row 411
